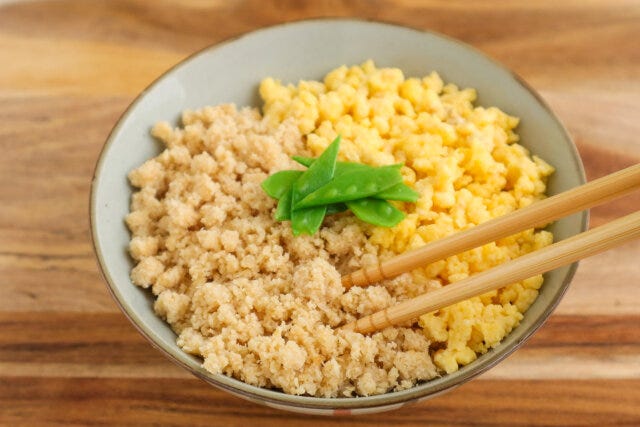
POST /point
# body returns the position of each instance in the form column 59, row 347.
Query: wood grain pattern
column 69, row 69
column 170, row 402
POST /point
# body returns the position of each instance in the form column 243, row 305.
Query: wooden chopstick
column 537, row 214
column 562, row 253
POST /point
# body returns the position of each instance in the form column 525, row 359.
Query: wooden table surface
column 69, row 69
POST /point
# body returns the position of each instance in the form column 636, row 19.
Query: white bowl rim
column 258, row 394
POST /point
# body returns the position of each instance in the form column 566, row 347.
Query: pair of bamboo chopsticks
column 540, row 213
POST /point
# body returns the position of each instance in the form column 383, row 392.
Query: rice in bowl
column 263, row 306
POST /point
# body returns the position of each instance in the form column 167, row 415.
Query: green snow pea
column 341, row 167
column 353, row 185
column 400, row 192
column 376, row 212
column 328, row 187
column 307, row 221
column 304, row 161
column 319, row 173
column 278, row 184
column 283, row 211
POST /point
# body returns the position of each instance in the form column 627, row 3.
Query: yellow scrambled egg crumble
column 465, row 162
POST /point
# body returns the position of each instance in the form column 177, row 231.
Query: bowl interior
column 231, row 72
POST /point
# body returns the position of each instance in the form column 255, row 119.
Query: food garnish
column 328, row 187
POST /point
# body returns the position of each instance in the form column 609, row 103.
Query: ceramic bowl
column 230, row 72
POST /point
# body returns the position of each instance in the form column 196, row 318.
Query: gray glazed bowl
column 231, row 72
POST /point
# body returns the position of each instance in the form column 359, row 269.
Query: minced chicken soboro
column 263, row 306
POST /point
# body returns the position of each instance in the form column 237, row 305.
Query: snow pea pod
column 356, row 184
column 304, row 161
column 283, row 211
column 329, row 187
column 348, row 167
column 341, row 167
column 307, row 220
column 375, row 211
column 400, row 192
column 278, row 184
column 319, row 173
